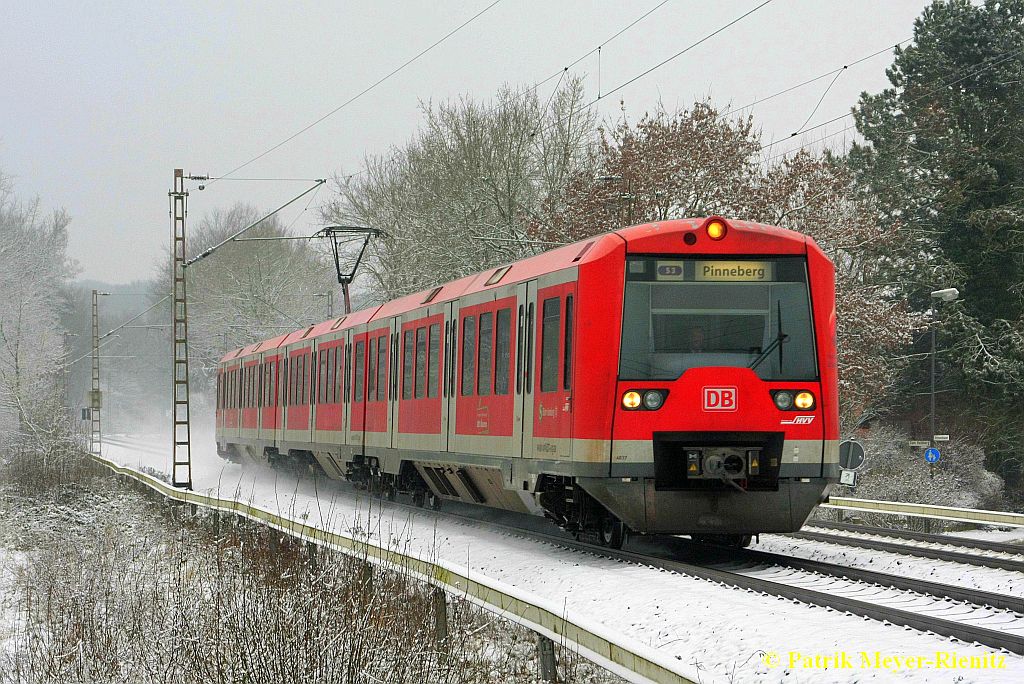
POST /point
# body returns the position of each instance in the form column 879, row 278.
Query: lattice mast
column 181, row 473
column 95, row 398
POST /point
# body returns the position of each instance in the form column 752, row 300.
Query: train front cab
column 726, row 419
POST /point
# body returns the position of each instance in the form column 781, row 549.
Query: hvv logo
column 720, row 399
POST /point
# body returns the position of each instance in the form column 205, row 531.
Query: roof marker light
column 715, row 229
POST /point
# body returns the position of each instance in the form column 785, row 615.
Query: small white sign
column 941, row 438
column 919, row 443
column 848, row 477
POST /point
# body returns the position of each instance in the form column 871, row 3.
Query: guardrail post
column 311, row 551
column 275, row 540
column 440, row 601
column 546, row 658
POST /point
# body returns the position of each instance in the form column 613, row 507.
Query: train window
column 502, row 350
column 549, row 334
column 689, row 313
column 290, row 366
column 453, row 353
column 468, row 354
column 283, row 385
column 340, row 356
column 321, row 384
column 329, row 376
column 519, row 351
column 421, row 361
column 311, row 373
column 348, row 372
column 447, row 360
column 407, row 365
column 371, row 372
column 358, row 364
column 382, row 364
column 567, row 352
column 484, row 354
column 435, row 355
column 268, row 386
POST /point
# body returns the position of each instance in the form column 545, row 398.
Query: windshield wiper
column 777, row 342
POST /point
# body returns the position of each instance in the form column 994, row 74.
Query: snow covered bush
column 131, row 589
column 893, row 471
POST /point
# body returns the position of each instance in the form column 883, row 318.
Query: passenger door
column 526, row 301
column 553, row 321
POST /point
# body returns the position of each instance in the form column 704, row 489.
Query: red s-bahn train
column 675, row 377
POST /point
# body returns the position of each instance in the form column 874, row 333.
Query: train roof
column 651, row 237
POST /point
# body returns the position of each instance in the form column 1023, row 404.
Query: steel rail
column 908, row 550
column 949, row 540
column 883, row 579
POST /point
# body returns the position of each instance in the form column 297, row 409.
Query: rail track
column 928, row 537
column 972, row 616
column 933, row 551
column 989, row 619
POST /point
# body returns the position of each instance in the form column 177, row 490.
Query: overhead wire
column 362, row 92
column 561, row 72
column 111, row 332
column 977, row 70
column 816, row 78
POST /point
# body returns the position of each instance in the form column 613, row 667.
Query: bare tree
column 459, row 197
column 34, row 268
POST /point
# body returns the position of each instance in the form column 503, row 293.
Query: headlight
column 784, row 400
column 631, row 399
column 804, row 400
column 653, row 399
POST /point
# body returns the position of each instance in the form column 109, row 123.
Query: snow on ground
column 975, row 577
column 715, row 633
column 9, row 562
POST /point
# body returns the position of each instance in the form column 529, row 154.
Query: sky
column 102, row 101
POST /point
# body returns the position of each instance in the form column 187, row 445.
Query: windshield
column 745, row 312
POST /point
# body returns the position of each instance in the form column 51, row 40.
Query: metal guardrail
column 602, row 647
column 968, row 515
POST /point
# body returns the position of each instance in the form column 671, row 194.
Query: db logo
column 720, row 399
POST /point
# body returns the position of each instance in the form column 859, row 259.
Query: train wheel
column 613, row 532
column 433, row 501
column 419, row 498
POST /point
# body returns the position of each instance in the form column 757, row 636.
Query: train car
column 676, row 377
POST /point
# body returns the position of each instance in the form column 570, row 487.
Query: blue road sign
column 932, row 455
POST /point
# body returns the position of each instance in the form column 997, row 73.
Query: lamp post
column 950, row 294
